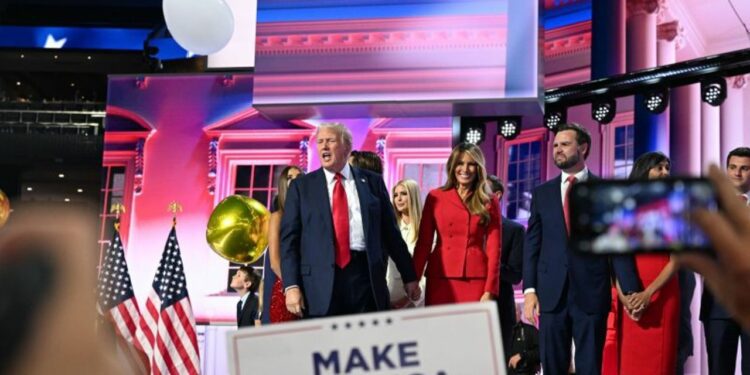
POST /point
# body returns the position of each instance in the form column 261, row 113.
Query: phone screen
column 625, row 216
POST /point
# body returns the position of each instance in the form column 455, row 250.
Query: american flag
column 117, row 301
column 168, row 323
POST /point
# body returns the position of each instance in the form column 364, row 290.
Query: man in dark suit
column 511, row 267
column 721, row 331
column 246, row 281
column 337, row 233
column 570, row 290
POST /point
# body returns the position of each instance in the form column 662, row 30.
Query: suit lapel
column 364, row 194
column 455, row 198
column 320, row 189
column 555, row 193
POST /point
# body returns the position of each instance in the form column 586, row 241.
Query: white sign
column 442, row 340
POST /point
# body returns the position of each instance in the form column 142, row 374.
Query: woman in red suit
column 278, row 311
column 464, row 265
column 649, row 337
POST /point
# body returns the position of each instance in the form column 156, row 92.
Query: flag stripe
column 165, row 364
column 188, row 324
column 177, row 339
column 118, row 303
column 168, row 321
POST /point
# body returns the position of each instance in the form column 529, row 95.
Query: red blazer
column 464, row 248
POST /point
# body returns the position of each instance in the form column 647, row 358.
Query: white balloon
column 200, row 26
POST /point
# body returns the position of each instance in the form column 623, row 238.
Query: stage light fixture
column 509, row 127
column 656, row 100
column 604, row 110
column 472, row 132
column 474, row 135
column 554, row 117
column 714, row 91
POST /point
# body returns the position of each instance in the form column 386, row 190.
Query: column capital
column 739, row 82
column 671, row 32
column 641, row 7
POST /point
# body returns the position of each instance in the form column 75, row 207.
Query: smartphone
column 631, row 216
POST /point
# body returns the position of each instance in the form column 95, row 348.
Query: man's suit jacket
column 511, row 260
column 249, row 312
column 307, row 238
column 548, row 262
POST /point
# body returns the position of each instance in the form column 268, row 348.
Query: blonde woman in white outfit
column 408, row 207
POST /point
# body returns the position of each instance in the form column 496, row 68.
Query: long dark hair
column 645, row 162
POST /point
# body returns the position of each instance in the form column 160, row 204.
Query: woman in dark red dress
column 278, row 311
column 648, row 343
column 464, row 265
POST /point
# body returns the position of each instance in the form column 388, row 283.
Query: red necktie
column 566, row 210
column 341, row 222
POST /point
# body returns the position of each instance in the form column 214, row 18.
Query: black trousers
column 352, row 289
column 722, row 336
column 569, row 322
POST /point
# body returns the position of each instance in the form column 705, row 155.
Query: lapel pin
column 362, row 179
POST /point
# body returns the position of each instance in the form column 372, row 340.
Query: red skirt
column 649, row 346
column 278, row 312
column 442, row 291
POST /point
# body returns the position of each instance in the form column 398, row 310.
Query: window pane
column 536, row 147
column 513, row 153
column 411, row 171
column 260, row 178
column 524, row 153
column 242, row 179
column 431, row 176
column 262, row 197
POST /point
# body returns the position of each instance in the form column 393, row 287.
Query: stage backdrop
column 318, row 58
column 196, row 139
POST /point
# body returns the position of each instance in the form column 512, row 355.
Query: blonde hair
column 414, row 207
column 476, row 201
column 282, row 186
column 343, row 132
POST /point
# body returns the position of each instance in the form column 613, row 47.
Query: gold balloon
column 238, row 229
column 4, row 208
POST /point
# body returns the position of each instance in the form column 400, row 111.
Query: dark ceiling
column 109, row 13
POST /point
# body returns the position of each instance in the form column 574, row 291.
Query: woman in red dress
column 278, row 311
column 464, row 265
column 648, row 341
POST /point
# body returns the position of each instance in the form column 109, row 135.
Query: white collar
column 580, row 176
column 244, row 298
column 346, row 172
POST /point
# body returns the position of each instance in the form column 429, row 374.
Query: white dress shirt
column 356, row 229
column 244, row 299
column 581, row 176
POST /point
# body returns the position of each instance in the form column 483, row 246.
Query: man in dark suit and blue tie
column 722, row 332
column 570, row 290
column 337, row 233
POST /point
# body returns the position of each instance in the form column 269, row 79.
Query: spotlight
column 604, row 110
column 554, row 117
column 656, row 100
column 509, row 127
column 474, row 135
column 714, row 91
column 472, row 131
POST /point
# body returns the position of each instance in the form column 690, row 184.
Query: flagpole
column 117, row 209
column 174, row 207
